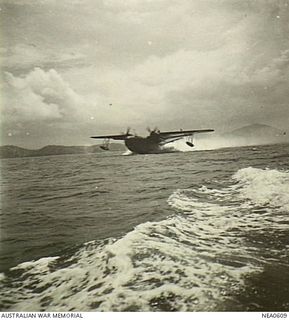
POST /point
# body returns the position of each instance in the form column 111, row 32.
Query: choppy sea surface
column 193, row 231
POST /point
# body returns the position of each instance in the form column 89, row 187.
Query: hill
column 17, row 152
column 257, row 134
column 257, row 130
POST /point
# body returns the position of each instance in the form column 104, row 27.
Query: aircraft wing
column 113, row 137
column 171, row 136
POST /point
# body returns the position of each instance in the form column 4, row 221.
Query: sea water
column 191, row 231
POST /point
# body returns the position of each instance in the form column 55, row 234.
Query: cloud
column 190, row 88
column 39, row 2
column 228, row 95
column 46, row 98
column 24, row 56
column 39, row 96
column 125, row 32
column 104, row 65
column 275, row 71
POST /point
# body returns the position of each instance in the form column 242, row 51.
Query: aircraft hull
column 145, row 146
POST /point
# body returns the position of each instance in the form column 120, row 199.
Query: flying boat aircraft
column 155, row 142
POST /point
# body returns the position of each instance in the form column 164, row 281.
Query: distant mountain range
column 249, row 135
column 257, row 134
column 256, row 131
column 17, row 152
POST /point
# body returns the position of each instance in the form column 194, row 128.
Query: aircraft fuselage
column 145, row 145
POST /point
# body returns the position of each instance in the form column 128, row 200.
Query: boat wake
column 195, row 260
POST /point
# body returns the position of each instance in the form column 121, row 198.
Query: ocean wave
column 264, row 187
column 160, row 266
column 252, row 186
column 195, row 260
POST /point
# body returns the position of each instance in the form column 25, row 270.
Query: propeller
column 154, row 130
column 127, row 131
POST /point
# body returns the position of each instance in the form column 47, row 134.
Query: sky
column 75, row 68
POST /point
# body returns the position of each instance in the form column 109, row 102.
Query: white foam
column 211, row 142
column 264, row 187
column 191, row 261
column 127, row 153
column 41, row 264
column 173, row 261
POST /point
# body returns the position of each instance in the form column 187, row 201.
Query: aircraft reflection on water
column 154, row 142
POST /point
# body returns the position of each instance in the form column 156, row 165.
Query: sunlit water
column 196, row 231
